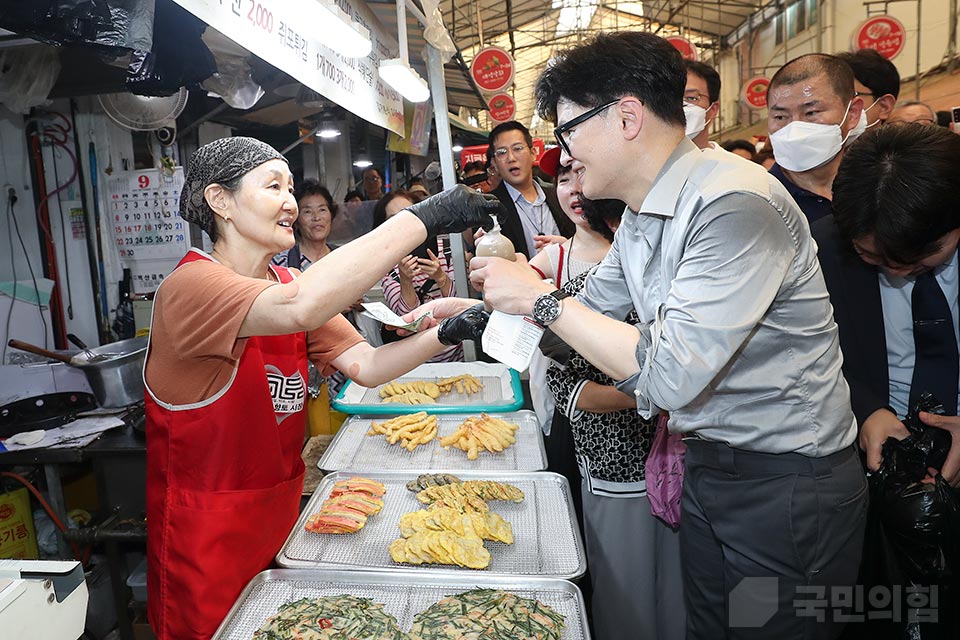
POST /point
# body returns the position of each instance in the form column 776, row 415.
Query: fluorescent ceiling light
column 362, row 164
column 407, row 82
column 344, row 35
column 457, row 148
column 328, row 133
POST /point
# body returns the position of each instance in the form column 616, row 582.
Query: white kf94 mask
column 696, row 119
column 801, row 146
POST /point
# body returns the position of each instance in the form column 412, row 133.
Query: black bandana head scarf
column 219, row 162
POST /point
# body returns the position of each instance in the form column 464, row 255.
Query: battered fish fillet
column 488, row 525
column 410, row 397
column 419, row 386
column 486, row 490
column 441, row 547
column 461, row 503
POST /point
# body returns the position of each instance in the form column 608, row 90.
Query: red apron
column 224, row 479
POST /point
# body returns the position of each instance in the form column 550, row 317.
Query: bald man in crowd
column 812, row 108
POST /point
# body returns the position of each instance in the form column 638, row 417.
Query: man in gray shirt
column 737, row 341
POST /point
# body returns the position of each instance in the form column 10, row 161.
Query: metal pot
column 114, row 371
column 116, row 376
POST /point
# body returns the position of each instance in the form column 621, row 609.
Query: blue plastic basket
column 370, row 404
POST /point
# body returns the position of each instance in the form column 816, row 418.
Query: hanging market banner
column 885, row 34
column 755, row 92
column 288, row 37
column 475, row 153
column 686, row 48
column 492, row 69
column 418, row 121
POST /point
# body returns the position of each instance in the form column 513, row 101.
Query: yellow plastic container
column 18, row 538
column 321, row 419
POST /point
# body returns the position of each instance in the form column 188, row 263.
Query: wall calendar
column 145, row 223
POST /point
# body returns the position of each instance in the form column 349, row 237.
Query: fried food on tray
column 356, row 484
column 410, row 397
column 431, row 480
column 485, row 490
column 331, row 618
column 441, row 547
column 452, row 529
column 486, row 525
column 365, row 504
column 336, row 520
column 484, row 433
column 465, row 383
column 461, row 502
column 348, row 506
column 417, row 386
column 410, row 431
column 487, row 613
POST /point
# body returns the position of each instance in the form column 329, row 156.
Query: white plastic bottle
column 494, row 244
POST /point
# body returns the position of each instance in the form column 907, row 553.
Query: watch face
column 546, row 309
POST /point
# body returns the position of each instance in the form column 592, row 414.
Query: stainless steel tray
column 352, row 448
column 546, row 537
column 403, row 596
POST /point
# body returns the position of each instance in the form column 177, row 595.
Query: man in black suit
column 889, row 258
column 532, row 210
column 813, row 110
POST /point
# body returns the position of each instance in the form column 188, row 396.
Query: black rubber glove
column 456, row 210
column 466, row 325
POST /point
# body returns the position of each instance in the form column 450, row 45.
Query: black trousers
column 765, row 540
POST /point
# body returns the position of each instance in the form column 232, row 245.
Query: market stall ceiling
column 535, row 29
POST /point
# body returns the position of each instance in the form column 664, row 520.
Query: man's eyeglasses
column 517, row 149
column 580, row 119
column 373, row 178
column 924, row 121
column 694, row 98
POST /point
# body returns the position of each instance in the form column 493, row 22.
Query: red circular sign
column 6, row 511
column 502, row 107
column 885, row 34
column 755, row 92
column 492, row 69
column 685, row 47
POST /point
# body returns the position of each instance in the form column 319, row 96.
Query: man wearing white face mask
column 812, row 107
column 701, row 101
column 877, row 81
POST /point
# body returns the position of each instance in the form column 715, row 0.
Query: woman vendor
column 226, row 366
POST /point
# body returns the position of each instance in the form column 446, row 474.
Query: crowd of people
column 782, row 309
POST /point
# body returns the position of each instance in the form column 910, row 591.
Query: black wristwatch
column 547, row 308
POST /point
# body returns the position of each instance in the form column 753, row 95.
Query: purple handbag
column 664, row 473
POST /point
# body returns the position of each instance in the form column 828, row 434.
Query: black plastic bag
column 921, row 520
column 913, row 534
column 179, row 58
column 921, row 523
column 111, row 24
column 931, row 442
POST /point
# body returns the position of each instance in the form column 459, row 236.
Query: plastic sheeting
column 27, row 74
column 233, row 80
column 124, row 24
column 435, row 33
column 178, row 58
